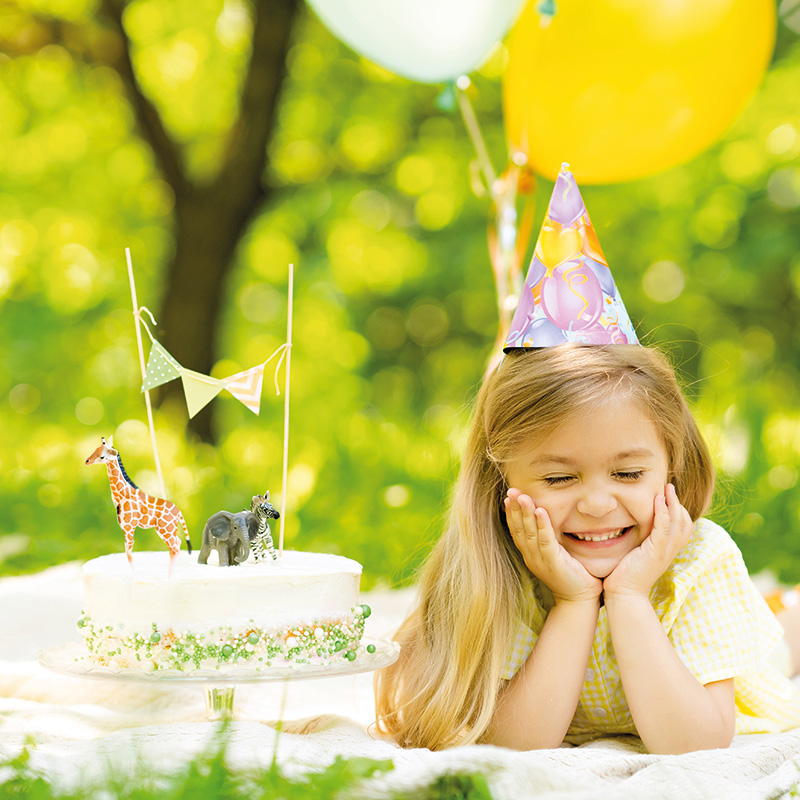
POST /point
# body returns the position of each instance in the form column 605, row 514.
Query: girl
column 577, row 591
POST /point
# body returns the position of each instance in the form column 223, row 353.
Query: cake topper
column 229, row 534
column 235, row 535
column 261, row 544
column 569, row 293
column 136, row 509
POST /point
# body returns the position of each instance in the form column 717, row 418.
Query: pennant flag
column 161, row 368
column 199, row 389
column 246, row 387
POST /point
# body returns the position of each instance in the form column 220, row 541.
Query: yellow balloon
column 622, row 89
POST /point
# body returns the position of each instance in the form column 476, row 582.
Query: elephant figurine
column 230, row 535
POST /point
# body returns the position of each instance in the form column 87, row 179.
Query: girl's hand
column 642, row 567
column 544, row 555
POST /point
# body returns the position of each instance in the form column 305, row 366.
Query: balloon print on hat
column 425, row 40
column 569, row 293
column 627, row 89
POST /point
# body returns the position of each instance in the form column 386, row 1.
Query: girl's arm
column 538, row 704
column 673, row 711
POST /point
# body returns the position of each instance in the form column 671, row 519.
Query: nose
column 597, row 500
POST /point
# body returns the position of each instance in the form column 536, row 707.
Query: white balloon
column 425, row 40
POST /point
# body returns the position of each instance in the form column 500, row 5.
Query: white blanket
column 83, row 727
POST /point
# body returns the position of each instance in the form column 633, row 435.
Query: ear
column 266, row 495
column 110, row 441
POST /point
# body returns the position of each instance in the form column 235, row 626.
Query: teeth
column 602, row 538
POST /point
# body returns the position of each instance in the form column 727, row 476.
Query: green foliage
column 210, row 776
column 395, row 312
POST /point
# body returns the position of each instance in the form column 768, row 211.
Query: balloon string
column 473, row 129
column 506, row 246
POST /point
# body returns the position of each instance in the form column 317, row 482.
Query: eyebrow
column 636, row 452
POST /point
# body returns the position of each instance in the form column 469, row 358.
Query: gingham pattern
column 718, row 623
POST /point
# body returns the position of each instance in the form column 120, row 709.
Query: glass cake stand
column 218, row 684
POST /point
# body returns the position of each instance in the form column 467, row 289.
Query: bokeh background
column 366, row 189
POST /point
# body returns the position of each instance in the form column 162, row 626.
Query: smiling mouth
column 599, row 537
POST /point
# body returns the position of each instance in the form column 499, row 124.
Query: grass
column 210, row 776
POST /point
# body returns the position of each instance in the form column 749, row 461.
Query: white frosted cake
column 301, row 609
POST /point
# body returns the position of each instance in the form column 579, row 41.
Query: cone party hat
column 569, row 293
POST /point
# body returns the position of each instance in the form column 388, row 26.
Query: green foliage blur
column 211, row 775
column 394, row 314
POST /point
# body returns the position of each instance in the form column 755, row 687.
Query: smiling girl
column 577, row 590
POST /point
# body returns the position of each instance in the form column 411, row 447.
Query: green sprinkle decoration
column 227, row 651
column 350, row 655
column 155, row 637
column 253, row 638
column 370, row 648
column 366, row 610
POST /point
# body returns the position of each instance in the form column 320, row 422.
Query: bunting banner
column 161, row 368
column 199, row 389
column 246, row 387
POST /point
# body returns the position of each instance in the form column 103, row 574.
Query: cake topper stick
column 138, row 319
column 286, row 407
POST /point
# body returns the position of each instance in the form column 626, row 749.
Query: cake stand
column 219, row 685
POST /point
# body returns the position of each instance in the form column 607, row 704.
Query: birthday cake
column 298, row 610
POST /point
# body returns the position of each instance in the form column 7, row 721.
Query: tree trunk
column 211, row 219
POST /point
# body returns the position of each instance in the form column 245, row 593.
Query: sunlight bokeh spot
column 415, row 174
column 234, row 25
column 369, row 144
column 428, row 323
column 783, row 188
column 17, row 238
column 663, row 281
column 269, row 254
column 783, row 477
column 301, row 161
column 386, row 328
column 396, row 496
column 742, row 161
column 89, row 411
column 435, row 209
column 24, row 398
column 784, row 141
column 372, row 208
column 261, row 303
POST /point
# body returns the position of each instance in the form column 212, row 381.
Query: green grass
column 210, row 776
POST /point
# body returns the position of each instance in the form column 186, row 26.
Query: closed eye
column 556, row 480
column 630, row 475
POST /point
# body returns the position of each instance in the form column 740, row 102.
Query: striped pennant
column 246, row 387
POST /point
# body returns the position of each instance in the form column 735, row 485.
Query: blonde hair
column 443, row 690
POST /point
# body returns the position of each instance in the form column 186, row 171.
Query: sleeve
column 724, row 628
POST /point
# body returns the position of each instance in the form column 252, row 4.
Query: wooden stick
column 137, row 320
column 286, row 408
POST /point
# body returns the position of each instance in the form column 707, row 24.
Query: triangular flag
column 246, row 387
column 161, row 368
column 199, row 389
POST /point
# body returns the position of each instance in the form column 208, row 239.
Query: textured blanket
column 83, row 727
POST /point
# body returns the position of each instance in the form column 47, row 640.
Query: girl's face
column 597, row 476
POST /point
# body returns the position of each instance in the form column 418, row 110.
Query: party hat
column 569, row 294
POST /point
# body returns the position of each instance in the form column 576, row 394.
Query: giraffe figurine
column 136, row 509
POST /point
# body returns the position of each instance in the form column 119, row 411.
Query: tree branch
column 246, row 153
column 166, row 151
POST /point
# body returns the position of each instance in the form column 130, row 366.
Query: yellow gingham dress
column 718, row 623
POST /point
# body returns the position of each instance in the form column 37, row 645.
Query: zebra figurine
column 261, row 541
